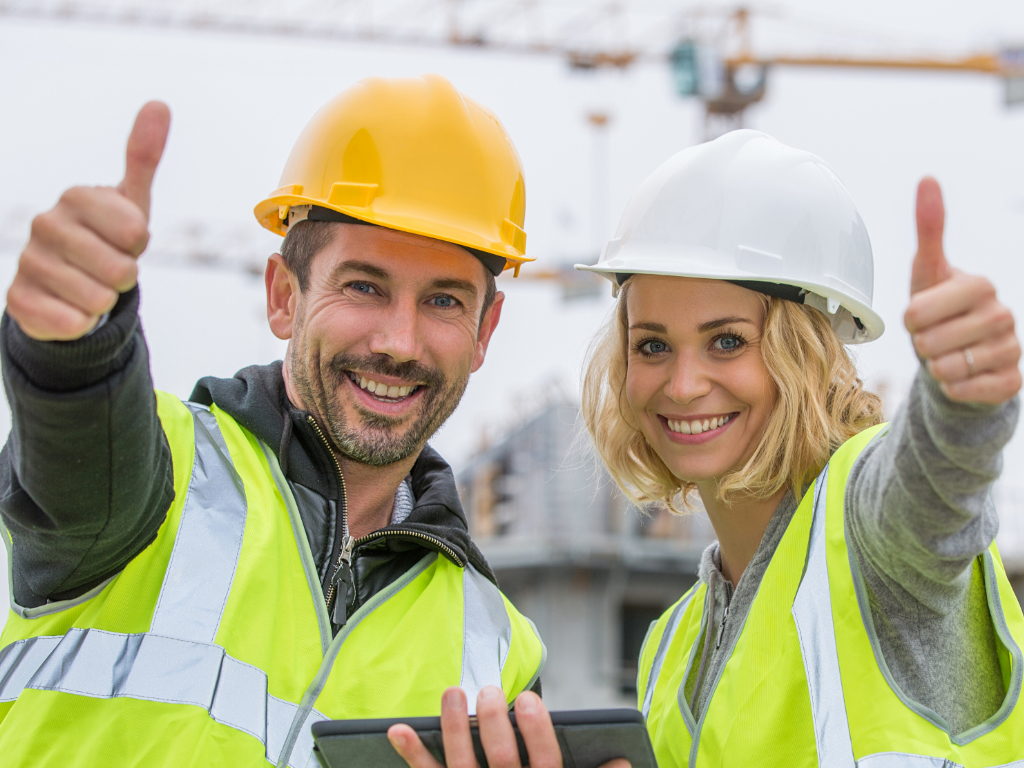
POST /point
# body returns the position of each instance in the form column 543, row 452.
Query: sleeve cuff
column 66, row 366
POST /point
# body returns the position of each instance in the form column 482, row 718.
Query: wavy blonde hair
column 821, row 404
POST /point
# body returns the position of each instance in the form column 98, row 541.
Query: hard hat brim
column 873, row 325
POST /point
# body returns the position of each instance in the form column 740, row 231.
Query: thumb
column 145, row 147
column 930, row 265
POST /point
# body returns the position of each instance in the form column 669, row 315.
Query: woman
column 853, row 611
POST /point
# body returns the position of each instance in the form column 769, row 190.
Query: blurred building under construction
column 570, row 551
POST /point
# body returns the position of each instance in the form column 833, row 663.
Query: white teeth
column 383, row 390
column 697, row 427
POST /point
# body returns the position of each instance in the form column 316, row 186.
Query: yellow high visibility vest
column 213, row 646
column 806, row 683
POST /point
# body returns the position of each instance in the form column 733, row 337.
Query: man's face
column 384, row 338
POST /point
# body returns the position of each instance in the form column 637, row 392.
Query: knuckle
column 122, row 272
column 134, row 234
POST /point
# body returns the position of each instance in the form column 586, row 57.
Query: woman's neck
column 740, row 526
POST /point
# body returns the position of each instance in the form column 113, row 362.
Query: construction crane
column 711, row 55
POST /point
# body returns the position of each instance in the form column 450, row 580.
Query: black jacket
column 86, row 477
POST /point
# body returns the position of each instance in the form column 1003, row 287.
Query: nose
column 398, row 335
column 690, row 380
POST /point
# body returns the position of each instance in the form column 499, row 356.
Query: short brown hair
column 305, row 239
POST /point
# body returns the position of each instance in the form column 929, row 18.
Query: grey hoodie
column 918, row 512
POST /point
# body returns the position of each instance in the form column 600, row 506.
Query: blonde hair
column 821, row 404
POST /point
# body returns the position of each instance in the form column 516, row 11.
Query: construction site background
column 568, row 548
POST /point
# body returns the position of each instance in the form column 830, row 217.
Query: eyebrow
column 362, row 267
column 455, row 284
column 710, row 325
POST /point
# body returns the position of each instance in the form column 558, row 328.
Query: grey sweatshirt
column 918, row 512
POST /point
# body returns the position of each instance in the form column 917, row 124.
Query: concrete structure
column 572, row 554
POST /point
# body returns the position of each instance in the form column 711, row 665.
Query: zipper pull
column 342, row 581
column 721, row 628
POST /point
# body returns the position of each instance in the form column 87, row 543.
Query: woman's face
column 695, row 378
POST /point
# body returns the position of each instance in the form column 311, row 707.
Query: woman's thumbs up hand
column 961, row 331
column 82, row 253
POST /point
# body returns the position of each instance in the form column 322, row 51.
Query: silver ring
column 971, row 369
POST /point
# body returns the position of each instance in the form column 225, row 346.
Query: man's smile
column 391, row 392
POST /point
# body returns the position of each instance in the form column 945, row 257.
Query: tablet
column 588, row 738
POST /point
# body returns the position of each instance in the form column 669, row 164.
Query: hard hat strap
column 494, row 264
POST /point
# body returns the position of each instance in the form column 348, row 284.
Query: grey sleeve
column 919, row 504
column 86, row 476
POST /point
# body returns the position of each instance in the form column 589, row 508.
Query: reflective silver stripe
column 106, row 665
column 19, row 660
column 208, row 541
column 902, row 760
column 302, row 753
column 812, row 612
column 486, row 636
column 659, row 657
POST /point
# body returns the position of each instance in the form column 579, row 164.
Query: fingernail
column 527, row 704
column 491, row 692
column 450, row 699
column 397, row 740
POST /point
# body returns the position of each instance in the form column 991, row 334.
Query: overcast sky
column 69, row 94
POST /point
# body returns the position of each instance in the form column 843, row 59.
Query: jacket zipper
column 341, row 579
column 725, row 615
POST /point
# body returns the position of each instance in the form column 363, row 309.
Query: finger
column 455, row 734
column 986, row 388
column 43, row 316
column 104, row 210
column 145, row 148
column 619, row 762
column 534, row 724
column 988, row 322
column 65, row 281
column 992, row 357
column 408, row 745
column 496, row 733
column 85, row 249
column 957, row 295
column 930, row 266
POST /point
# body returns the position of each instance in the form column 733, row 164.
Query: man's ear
column 282, row 296
column 487, row 326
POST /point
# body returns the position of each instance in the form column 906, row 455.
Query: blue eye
column 728, row 343
column 363, row 287
column 654, row 347
column 443, row 301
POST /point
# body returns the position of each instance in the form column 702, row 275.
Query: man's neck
column 370, row 492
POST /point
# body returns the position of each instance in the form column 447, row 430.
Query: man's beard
column 376, row 440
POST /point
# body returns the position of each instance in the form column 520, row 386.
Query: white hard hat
column 748, row 209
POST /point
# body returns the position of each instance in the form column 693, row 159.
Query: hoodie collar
column 255, row 397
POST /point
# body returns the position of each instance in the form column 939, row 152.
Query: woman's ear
column 282, row 296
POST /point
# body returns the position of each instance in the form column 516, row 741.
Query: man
column 197, row 583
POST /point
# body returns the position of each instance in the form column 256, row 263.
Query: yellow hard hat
column 411, row 154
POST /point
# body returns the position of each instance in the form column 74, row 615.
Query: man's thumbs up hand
column 962, row 333
column 145, row 148
column 82, row 253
